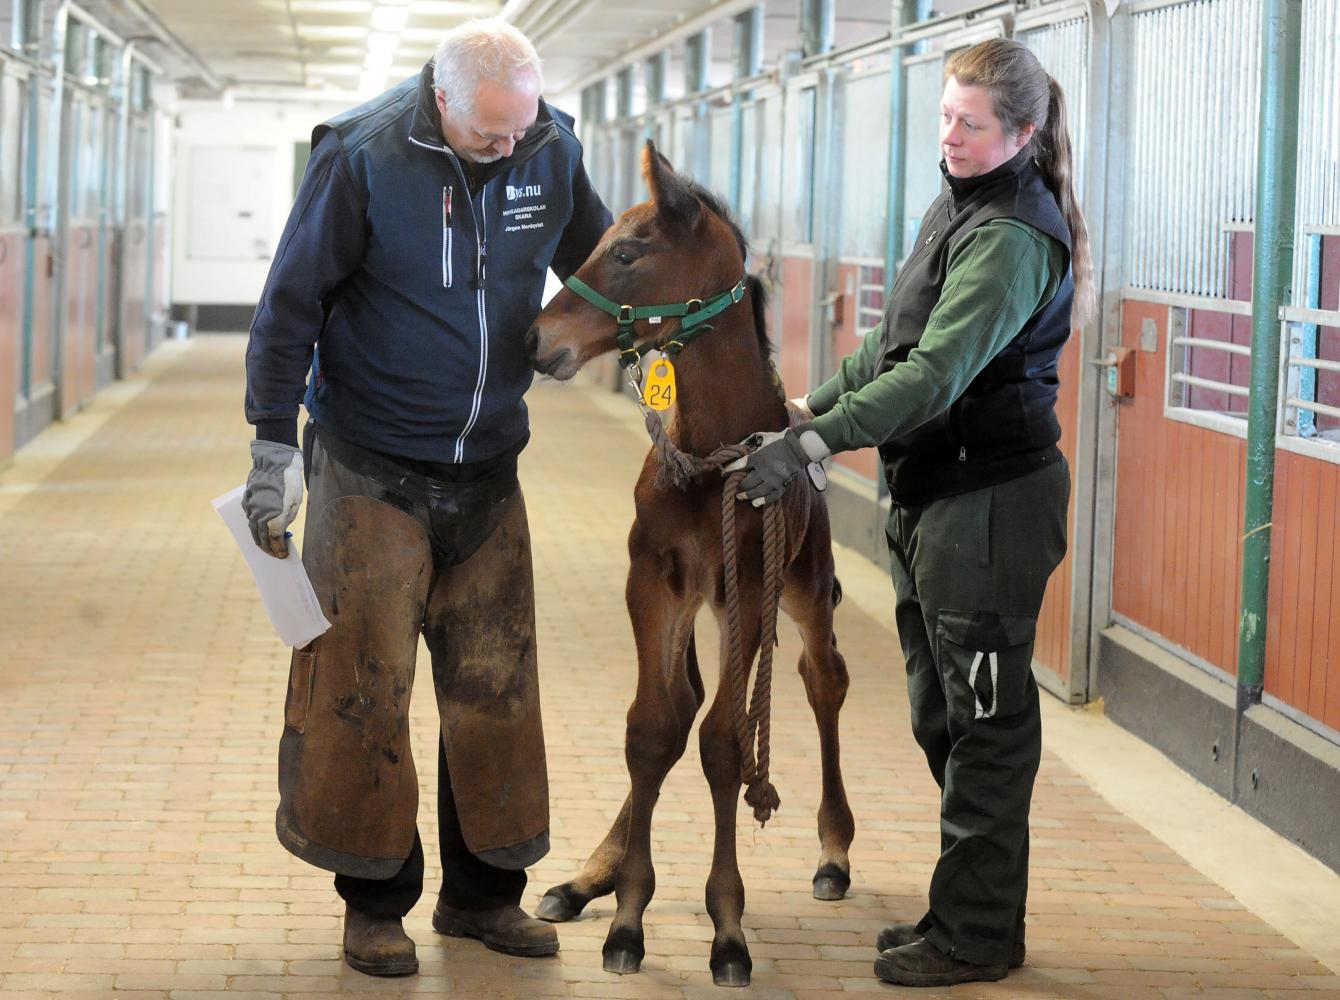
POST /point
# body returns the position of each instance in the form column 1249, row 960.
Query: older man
column 410, row 269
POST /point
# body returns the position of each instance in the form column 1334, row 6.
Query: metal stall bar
column 31, row 202
column 1276, row 171
column 697, row 56
column 59, row 182
column 124, row 92
column 748, row 45
column 904, row 13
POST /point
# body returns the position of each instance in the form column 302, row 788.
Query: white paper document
column 285, row 590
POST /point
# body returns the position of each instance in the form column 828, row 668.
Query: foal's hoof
column 831, row 882
column 623, row 951
column 731, row 964
column 560, row 904
column 622, row 962
column 731, row 974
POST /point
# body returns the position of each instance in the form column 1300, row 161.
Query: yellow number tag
column 660, row 389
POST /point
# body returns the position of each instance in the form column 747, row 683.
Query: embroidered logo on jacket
column 523, row 216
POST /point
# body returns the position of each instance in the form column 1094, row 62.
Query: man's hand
column 273, row 494
column 779, row 457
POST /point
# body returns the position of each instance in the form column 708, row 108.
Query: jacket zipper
column 481, row 269
column 481, row 264
column 446, row 237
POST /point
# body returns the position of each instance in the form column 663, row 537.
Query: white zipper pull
column 963, row 453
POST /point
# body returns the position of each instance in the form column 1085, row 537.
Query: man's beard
column 482, row 158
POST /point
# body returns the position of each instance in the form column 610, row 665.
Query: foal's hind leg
column 596, row 879
column 809, row 598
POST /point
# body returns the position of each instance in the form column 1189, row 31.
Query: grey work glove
column 778, row 458
column 273, row 494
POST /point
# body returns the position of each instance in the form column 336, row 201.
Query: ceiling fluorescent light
column 383, row 42
column 387, row 18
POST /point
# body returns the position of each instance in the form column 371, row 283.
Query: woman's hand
column 778, row 457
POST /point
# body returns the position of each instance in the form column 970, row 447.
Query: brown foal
column 682, row 247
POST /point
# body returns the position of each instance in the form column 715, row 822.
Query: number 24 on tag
column 660, row 389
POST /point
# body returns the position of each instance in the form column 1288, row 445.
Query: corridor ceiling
column 324, row 45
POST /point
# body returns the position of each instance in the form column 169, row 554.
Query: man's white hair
column 482, row 49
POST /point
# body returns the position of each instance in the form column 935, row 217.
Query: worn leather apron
column 392, row 553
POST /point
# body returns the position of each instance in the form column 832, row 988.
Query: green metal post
column 904, row 11
column 1277, row 161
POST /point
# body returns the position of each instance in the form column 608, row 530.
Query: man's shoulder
column 362, row 125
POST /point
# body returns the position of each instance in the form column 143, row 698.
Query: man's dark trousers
column 970, row 572
column 467, row 882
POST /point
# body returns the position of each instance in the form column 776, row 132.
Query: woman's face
column 972, row 139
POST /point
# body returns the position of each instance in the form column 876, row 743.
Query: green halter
column 693, row 316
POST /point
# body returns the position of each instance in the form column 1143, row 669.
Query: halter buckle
column 693, row 305
column 625, row 316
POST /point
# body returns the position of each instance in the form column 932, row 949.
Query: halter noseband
column 693, row 316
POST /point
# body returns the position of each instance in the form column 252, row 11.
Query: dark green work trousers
column 969, row 572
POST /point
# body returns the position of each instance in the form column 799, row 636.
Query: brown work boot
column 920, row 963
column 377, row 946
column 897, row 935
column 508, row 929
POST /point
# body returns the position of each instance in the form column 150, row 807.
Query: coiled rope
column 752, row 715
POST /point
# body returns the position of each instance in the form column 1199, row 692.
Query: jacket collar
column 966, row 188
column 425, row 127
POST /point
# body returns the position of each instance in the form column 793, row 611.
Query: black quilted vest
column 1004, row 425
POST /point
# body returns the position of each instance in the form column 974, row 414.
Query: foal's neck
column 725, row 385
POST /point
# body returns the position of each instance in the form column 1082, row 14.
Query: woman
column 957, row 388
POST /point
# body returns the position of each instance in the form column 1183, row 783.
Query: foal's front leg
column 658, row 724
column 566, row 901
column 719, row 747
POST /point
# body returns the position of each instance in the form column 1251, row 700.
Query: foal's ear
column 670, row 193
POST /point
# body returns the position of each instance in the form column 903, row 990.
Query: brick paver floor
column 142, row 693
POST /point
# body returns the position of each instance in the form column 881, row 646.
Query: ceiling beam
column 720, row 11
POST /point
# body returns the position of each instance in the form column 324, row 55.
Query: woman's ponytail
column 1057, row 162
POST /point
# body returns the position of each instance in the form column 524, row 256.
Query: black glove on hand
column 777, row 460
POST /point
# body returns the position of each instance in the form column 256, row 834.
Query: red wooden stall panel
column 11, row 334
column 793, row 331
column 847, row 336
column 42, row 372
column 1177, row 564
column 1052, row 645
column 134, row 272
column 77, row 354
column 1302, row 640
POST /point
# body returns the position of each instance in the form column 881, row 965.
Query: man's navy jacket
column 415, row 292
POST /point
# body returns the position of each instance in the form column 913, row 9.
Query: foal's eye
column 623, row 256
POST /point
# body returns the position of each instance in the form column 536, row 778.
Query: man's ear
column 675, row 203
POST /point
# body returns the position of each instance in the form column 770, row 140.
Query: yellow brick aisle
column 142, row 691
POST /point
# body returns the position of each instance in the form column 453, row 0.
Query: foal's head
column 679, row 245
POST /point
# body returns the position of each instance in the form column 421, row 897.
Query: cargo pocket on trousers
column 986, row 660
column 301, row 676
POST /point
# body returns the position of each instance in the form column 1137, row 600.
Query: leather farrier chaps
column 387, row 559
